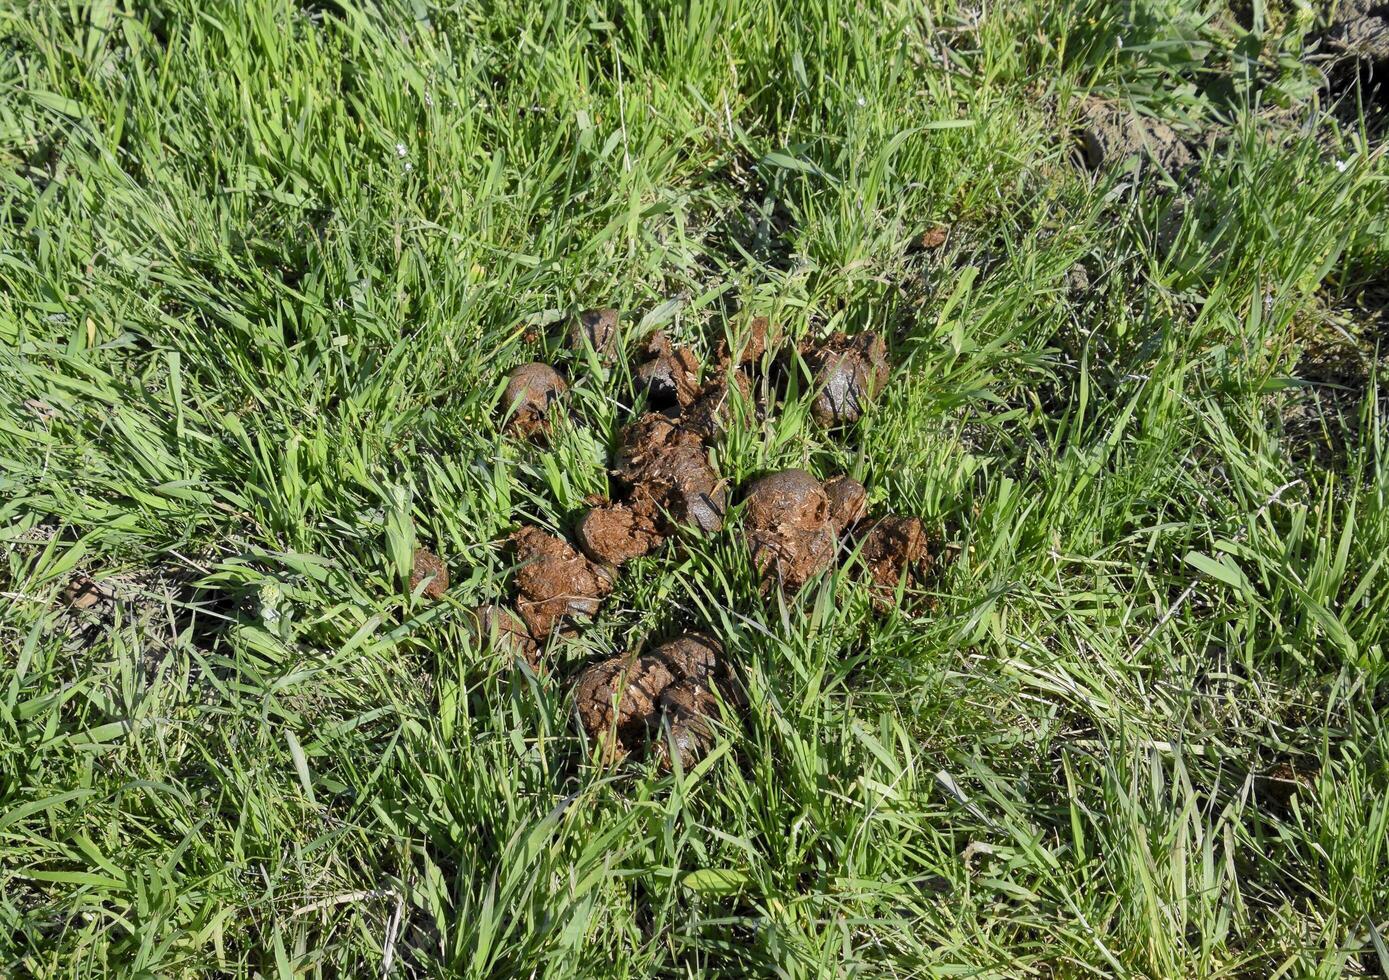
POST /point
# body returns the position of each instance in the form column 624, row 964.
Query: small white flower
column 400, row 149
column 409, row 166
column 860, row 102
column 270, row 598
column 428, row 100
column 1341, row 165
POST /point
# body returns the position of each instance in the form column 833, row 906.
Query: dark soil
column 161, row 605
column 668, row 374
column 1340, row 355
column 500, row 628
column 665, row 472
column 596, row 329
column 554, row 582
column 429, row 568
column 848, row 372
column 1359, row 76
column 611, row 534
column 1285, row 781
column 1110, row 134
column 530, row 391
column 788, row 528
column 623, row 701
column 1361, row 28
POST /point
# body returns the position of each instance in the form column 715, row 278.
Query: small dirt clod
column 530, row 391
column 596, row 329
column 667, row 476
column 849, row 371
column 428, row 567
column 788, row 528
column 611, row 534
column 554, row 582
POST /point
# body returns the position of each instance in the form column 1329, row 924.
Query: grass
column 263, row 268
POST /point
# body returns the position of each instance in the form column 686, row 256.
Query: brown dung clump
column 664, row 479
column 505, row 632
column 530, row 391
column 711, row 412
column 665, row 472
column 611, row 534
column 554, row 582
column 893, row 546
column 687, row 711
column 624, row 702
column 84, row 592
column 848, row 502
column 427, row 566
column 596, row 329
column 664, row 700
column 669, row 374
column 759, row 337
column 848, row 371
column 932, row 238
column 788, row 528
